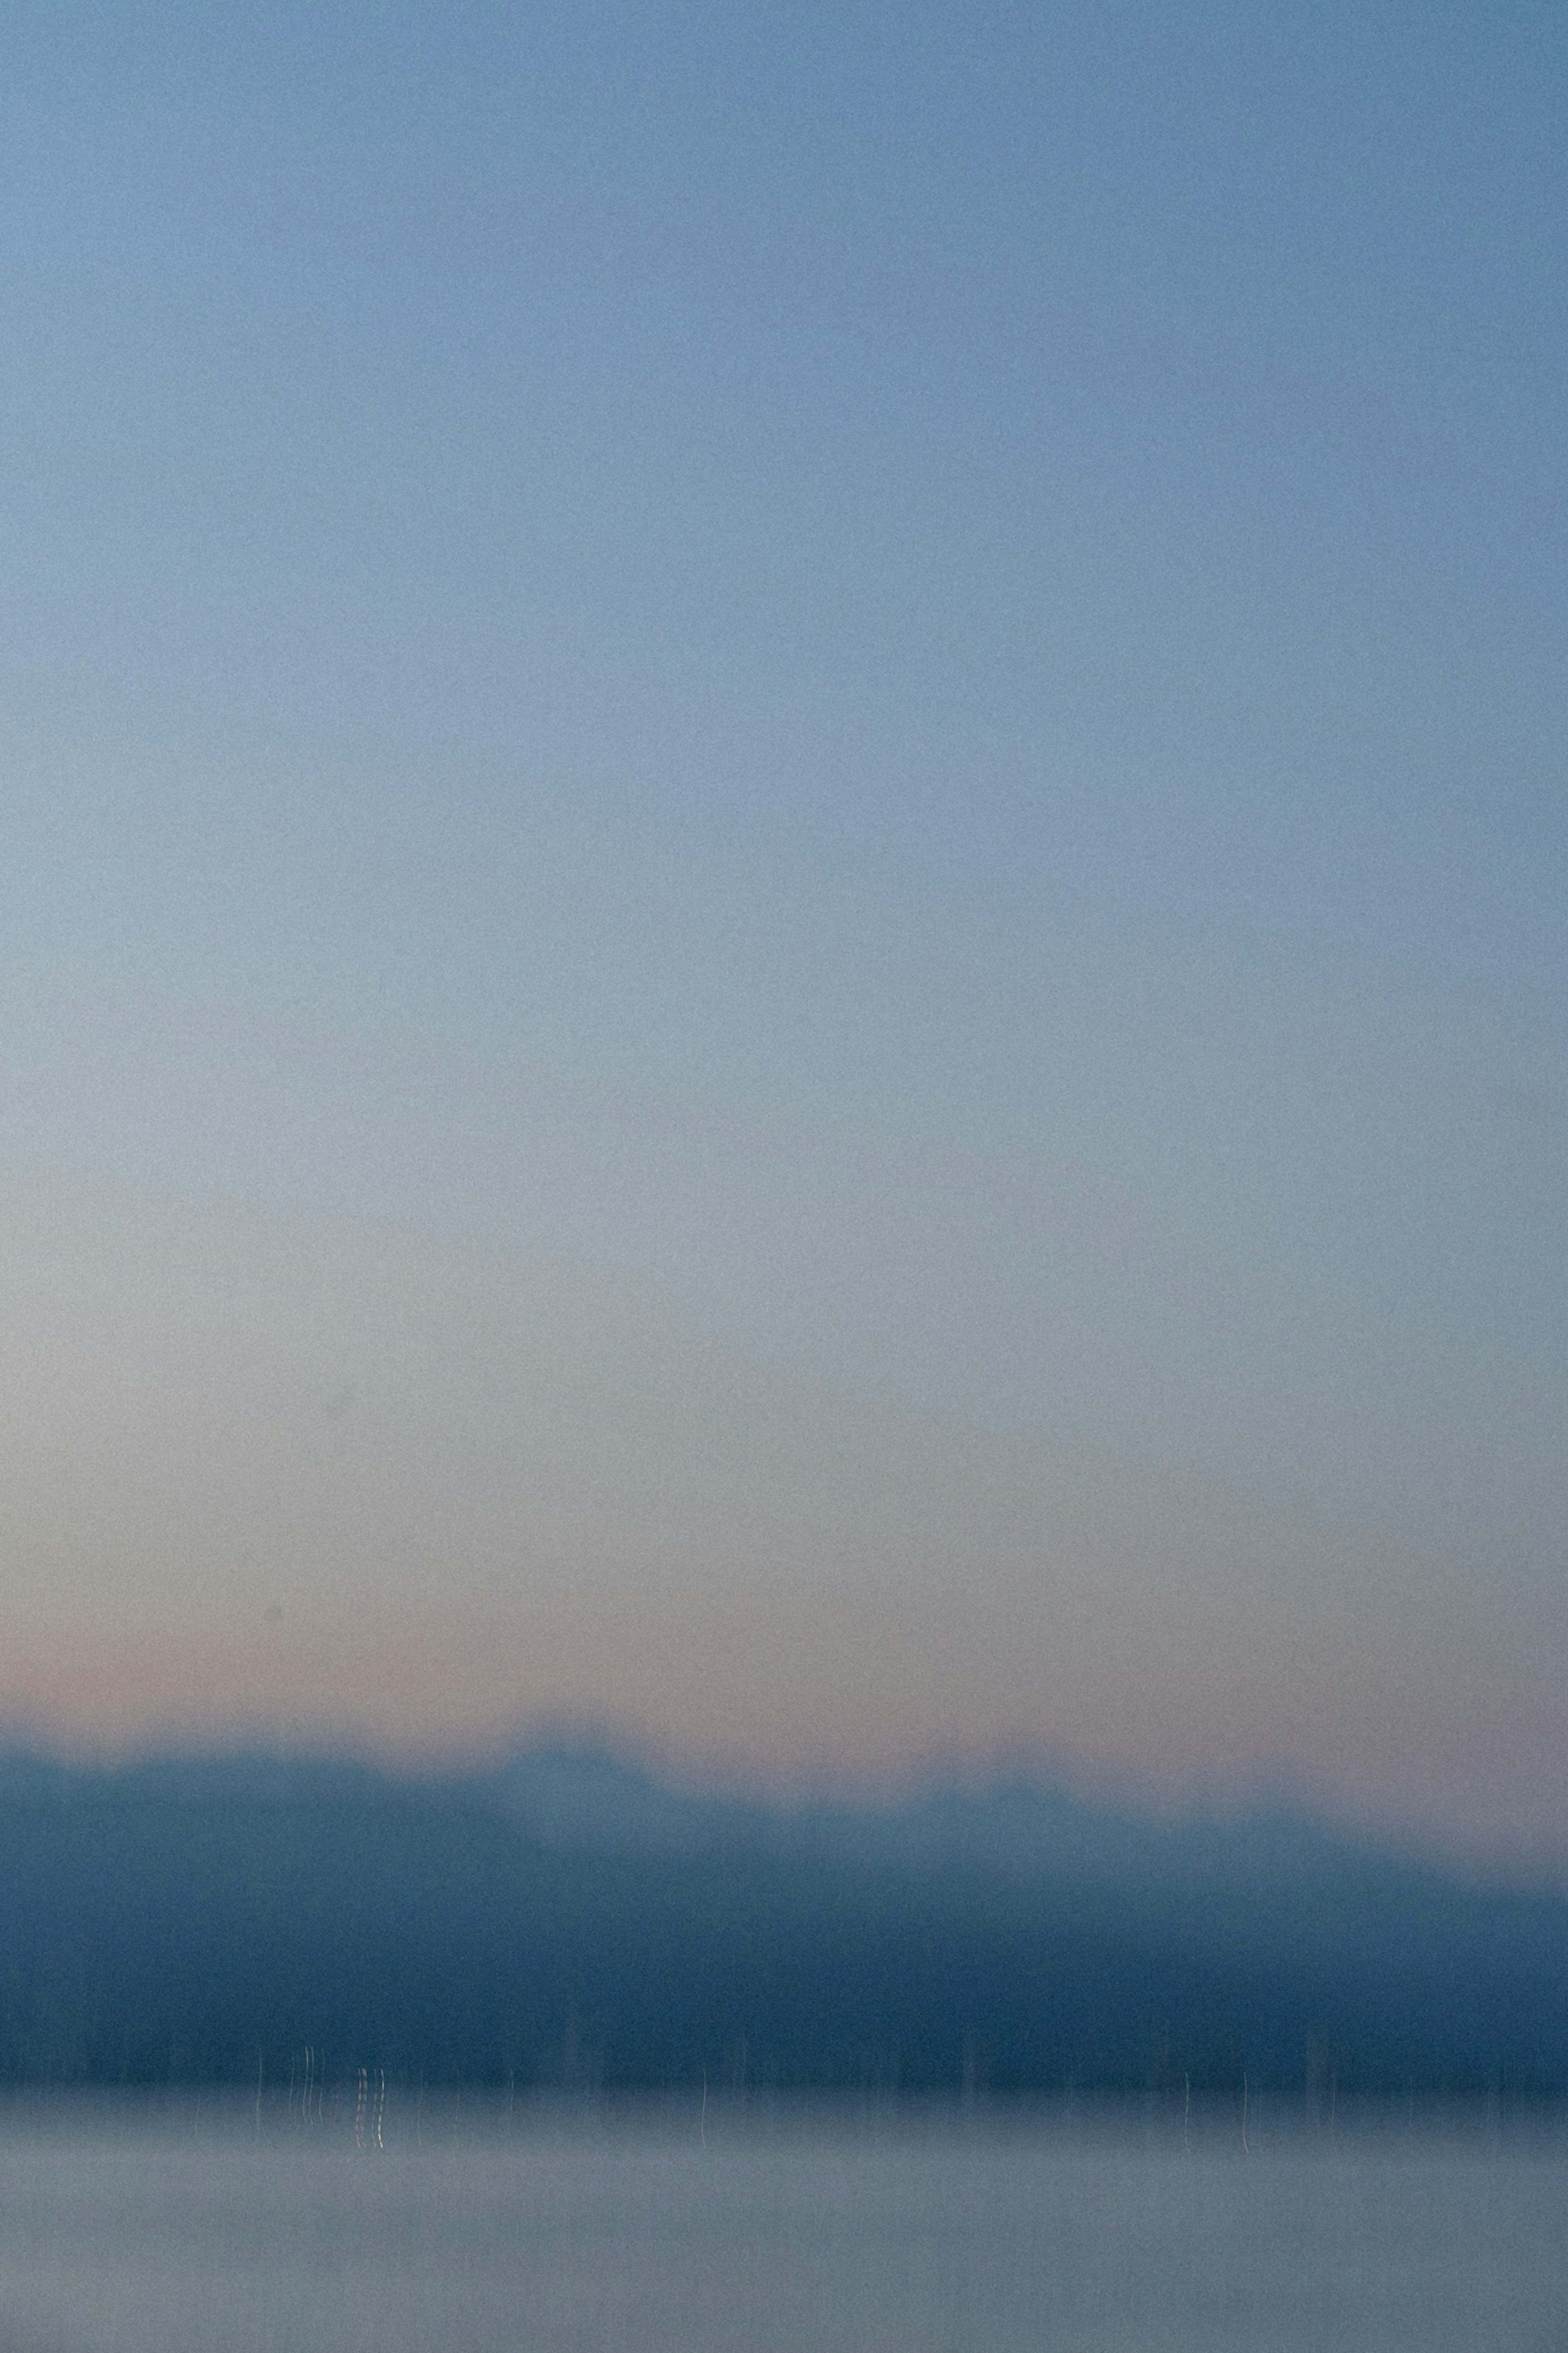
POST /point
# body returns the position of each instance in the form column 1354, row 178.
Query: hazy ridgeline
column 568, row 1922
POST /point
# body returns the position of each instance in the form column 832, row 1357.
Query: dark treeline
column 567, row 1923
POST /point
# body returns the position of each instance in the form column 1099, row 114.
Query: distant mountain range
column 571, row 1920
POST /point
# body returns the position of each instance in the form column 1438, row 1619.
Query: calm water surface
column 558, row 2232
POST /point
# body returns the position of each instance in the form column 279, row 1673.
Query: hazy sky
column 784, row 873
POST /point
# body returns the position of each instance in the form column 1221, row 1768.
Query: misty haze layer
column 125, row 2227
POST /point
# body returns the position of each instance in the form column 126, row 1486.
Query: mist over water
column 571, row 2227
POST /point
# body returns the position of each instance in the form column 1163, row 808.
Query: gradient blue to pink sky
column 783, row 863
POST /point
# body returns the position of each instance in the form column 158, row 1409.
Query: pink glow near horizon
column 449, row 1688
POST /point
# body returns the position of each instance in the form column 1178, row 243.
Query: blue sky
column 783, row 873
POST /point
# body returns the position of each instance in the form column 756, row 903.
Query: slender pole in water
column 1244, row 2115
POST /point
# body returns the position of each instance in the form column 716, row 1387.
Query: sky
column 782, row 875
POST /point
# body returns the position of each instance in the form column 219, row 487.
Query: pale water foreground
column 822, row 2230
